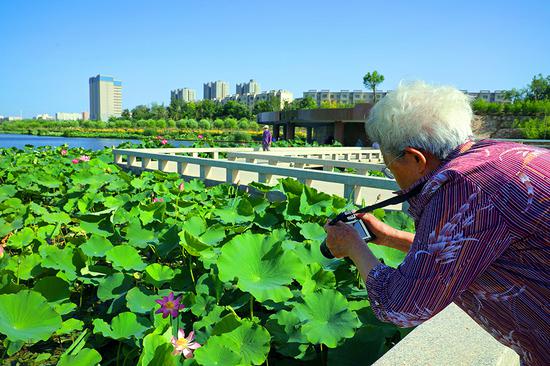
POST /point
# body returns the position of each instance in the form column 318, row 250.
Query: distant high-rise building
column 185, row 94
column 216, row 90
column 105, row 97
column 252, row 87
column 85, row 116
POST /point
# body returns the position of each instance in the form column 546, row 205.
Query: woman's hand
column 387, row 235
column 343, row 240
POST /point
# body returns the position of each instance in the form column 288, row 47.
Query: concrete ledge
column 449, row 338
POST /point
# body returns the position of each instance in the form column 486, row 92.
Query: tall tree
column 141, row 112
column 372, row 80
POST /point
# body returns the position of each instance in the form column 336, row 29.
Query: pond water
column 90, row 143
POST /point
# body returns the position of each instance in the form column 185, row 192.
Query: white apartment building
column 215, row 90
column 284, row 97
column 44, row 116
column 64, row 116
column 105, row 97
column 11, row 118
column 252, row 87
column 185, row 94
column 496, row 96
column 344, row 96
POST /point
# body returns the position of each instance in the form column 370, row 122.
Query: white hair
column 433, row 118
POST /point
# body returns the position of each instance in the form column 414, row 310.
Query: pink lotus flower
column 164, row 142
column 169, row 306
column 160, row 199
column 159, row 137
column 1, row 250
column 181, row 187
column 84, row 158
column 64, row 152
column 200, row 136
column 184, row 345
column 75, row 161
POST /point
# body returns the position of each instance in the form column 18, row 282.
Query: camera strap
column 390, row 201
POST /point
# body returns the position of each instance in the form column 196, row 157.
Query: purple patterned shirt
column 482, row 241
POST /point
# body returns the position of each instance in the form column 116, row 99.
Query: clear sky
column 49, row 49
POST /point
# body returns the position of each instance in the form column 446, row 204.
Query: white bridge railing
column 172, row 160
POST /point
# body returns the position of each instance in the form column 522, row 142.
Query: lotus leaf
column 114, row 286
column 54, row 289
column 124, row 325
column 96, row 246
column 326, row 318
column 125, row 257
column 22, row 238
column 86, row 357
column 158, row 274
column 260, row 265
column 60, row 259
column 139, row 301
column 157, row 350
column 249, row 341
column 27, row 317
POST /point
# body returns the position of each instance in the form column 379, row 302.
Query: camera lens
column 325, row 250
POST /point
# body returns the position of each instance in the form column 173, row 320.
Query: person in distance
column 482, row 222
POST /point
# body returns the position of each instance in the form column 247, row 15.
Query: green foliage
column 534, row 128
column 371, row 80
column 88, row 254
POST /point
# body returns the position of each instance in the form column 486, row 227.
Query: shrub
column 219, row 124
column 230, row 123
column 204, row 124
column 243, row 124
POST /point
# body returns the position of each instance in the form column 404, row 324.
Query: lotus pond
column 98, row 265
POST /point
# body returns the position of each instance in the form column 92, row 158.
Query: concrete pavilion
column 346, row 125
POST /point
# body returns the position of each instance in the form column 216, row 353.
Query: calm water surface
column 90, row 143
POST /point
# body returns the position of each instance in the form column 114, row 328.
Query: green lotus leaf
column 125, row 257
column 86, row 357
column 249, row 342
column 326, row 318
column 194, row 245
column 57, row 218
column 60, row 259
column 317, row 278
column 312, row 231
column 140, row 302
column 391, row 257
column 114, row 286
column 152, row 212
column 64, row 308
column 7, row 191
column 139, row 237
column 284, row 327
column 124, row 325
column 69, row 326
column 260, row 265
column 195, row 225
column 27, row 317
column 42, row 357
column 291, row 185
column 54, row 289
column 96, row 246
column 266, row 220
column 157, row 274
column 292, row 207
column 48, row 232
column 21, row 238
column 399, row 220
column 314, row 203
column 239, row 211
column 96, row 226
column 157, row 350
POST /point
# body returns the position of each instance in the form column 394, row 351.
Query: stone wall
column 497, row 126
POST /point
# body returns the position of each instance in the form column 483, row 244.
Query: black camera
column 350, row 219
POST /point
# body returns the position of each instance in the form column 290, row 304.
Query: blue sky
column 49, row 49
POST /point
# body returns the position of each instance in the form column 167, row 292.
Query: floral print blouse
column 482, row 241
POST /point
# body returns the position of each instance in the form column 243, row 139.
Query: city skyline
column 297, row 47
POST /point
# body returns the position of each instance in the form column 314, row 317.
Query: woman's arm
column 387, row 235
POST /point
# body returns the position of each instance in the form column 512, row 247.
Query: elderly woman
column 482, row 220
